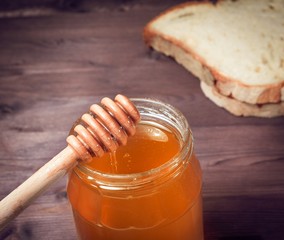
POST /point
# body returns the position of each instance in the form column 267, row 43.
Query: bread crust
column 238, row 108
column 234, row 88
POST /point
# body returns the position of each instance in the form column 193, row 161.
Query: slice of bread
column 238, row 108
column 235, row 45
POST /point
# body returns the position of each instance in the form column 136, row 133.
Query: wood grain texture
column 53, row 67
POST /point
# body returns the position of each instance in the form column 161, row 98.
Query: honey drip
column 113, row 161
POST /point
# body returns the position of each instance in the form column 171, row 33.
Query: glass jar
column 162, row 201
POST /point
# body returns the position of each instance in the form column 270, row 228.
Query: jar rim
column 149, row 108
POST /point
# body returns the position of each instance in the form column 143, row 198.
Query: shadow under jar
column 149, row 189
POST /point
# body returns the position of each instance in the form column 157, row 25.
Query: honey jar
column 149, row 189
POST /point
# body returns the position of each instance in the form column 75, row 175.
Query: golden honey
column 149, row 189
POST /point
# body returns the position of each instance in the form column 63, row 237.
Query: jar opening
column 153, row 112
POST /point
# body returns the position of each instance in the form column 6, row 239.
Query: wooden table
column 53, row 65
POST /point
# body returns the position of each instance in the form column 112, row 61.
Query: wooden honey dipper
column 101, row 130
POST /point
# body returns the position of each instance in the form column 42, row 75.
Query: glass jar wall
column 149, row 189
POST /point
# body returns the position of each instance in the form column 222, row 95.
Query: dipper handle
column 101, row 130
column 23, row 195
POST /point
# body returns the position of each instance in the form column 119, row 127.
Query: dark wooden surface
column 54, row 65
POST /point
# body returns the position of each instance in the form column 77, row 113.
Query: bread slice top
column 239, row 41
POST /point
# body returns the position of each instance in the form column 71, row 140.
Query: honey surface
column 149, row 148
